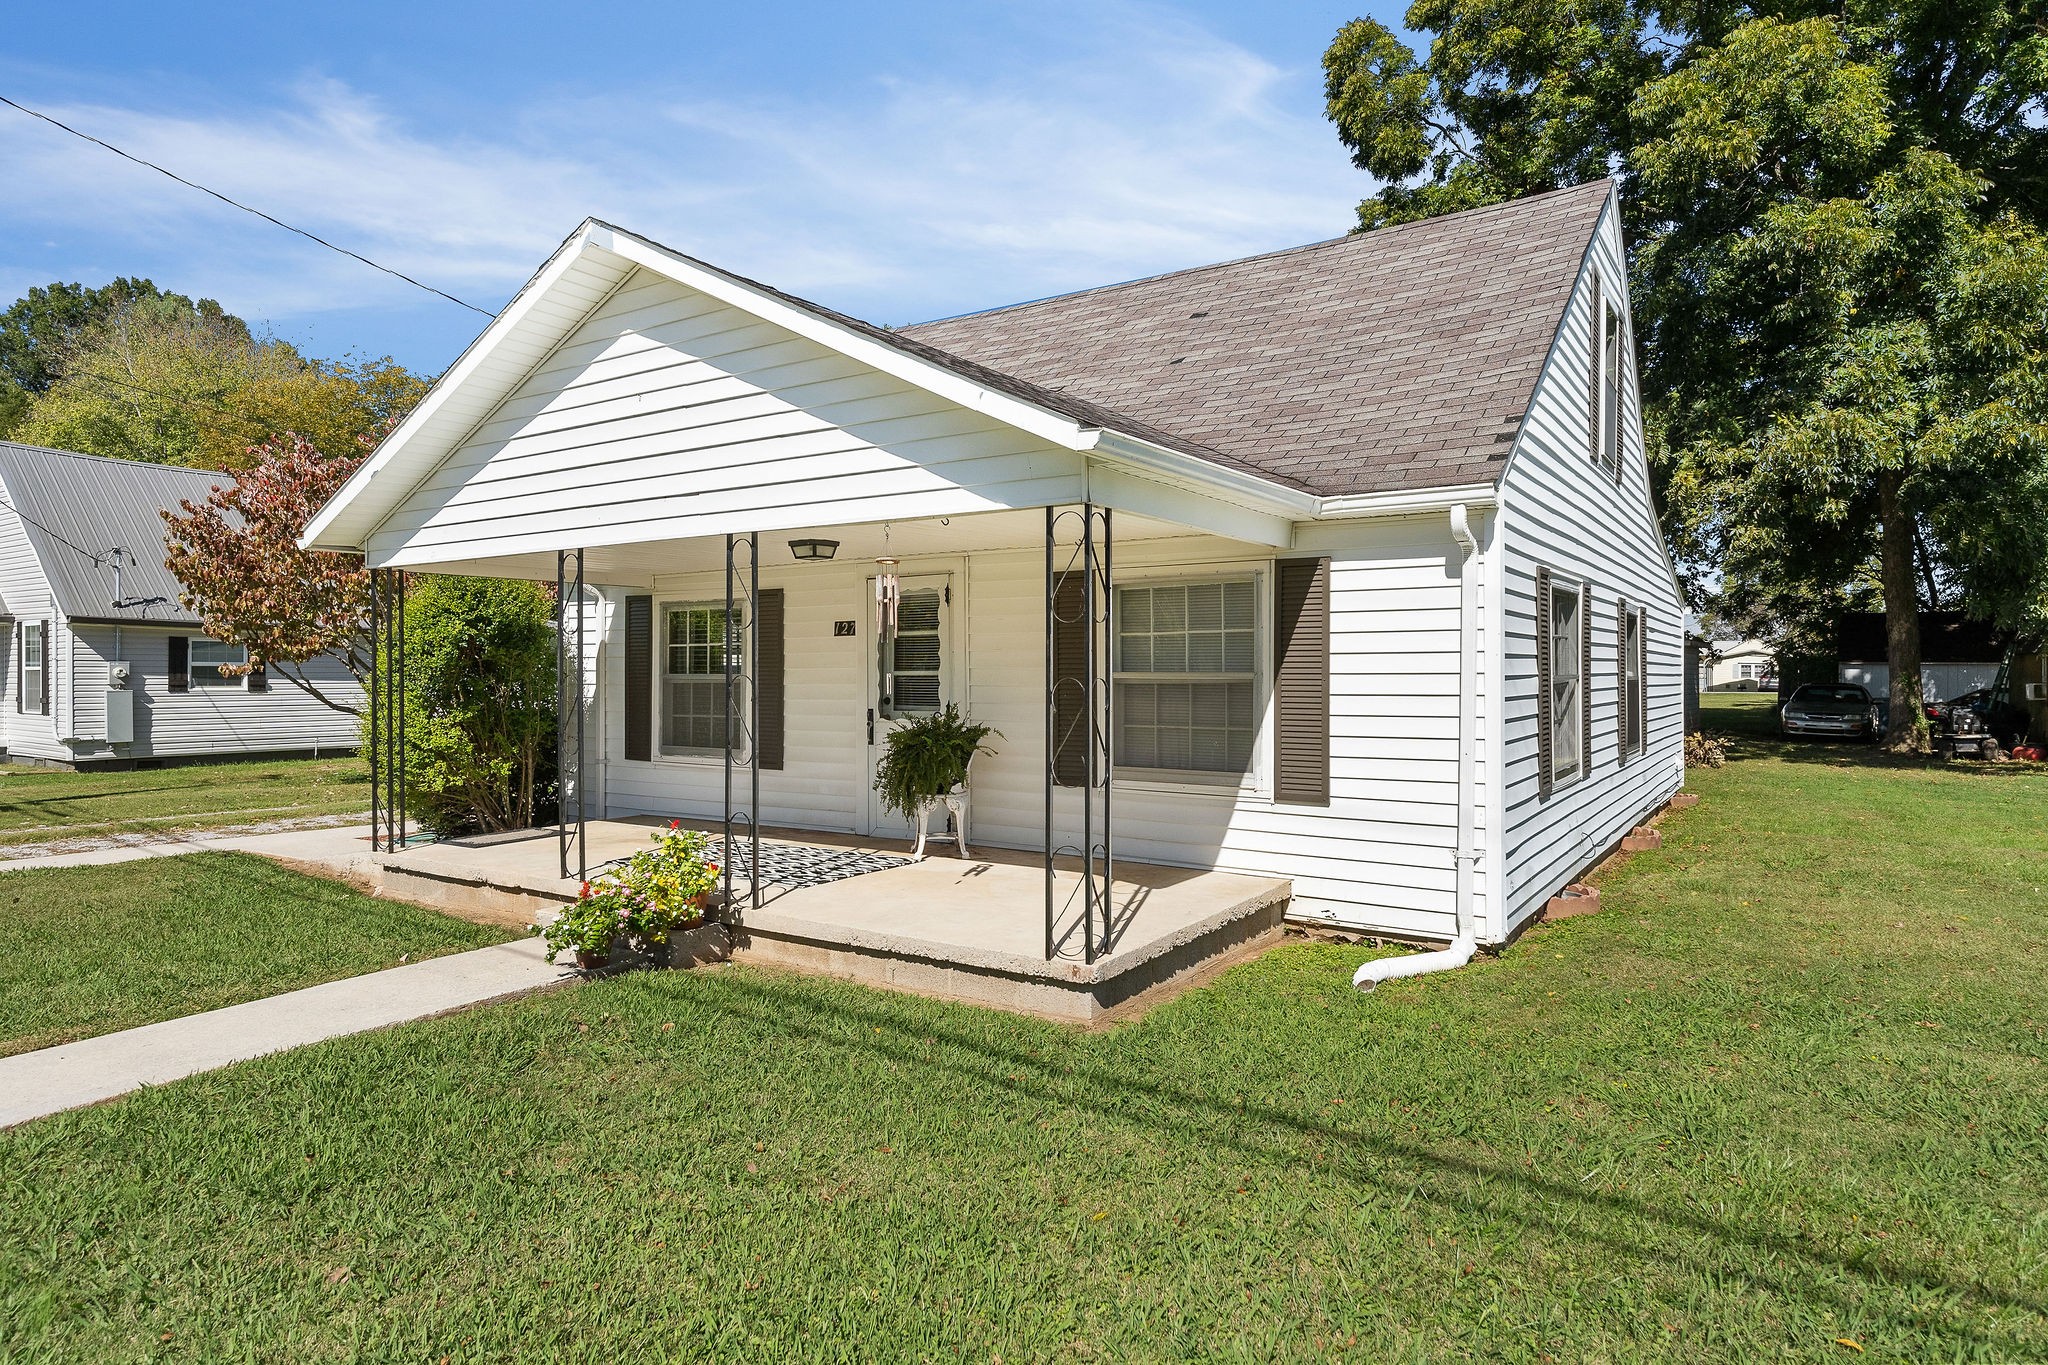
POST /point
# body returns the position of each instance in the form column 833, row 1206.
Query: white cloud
column 1157, row 145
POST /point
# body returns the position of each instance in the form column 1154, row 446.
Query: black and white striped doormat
column 803, row 864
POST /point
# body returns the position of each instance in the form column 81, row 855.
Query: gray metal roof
column 78, row 508
column 1397, row 359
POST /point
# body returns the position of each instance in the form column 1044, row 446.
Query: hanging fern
column 926, row 757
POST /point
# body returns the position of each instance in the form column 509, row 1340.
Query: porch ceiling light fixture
column 813, row 549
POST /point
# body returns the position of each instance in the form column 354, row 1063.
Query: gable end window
column 1607, row 358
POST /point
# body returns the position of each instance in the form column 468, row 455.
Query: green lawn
column 1787, row 1089
column 43, row 805
column 94, row 949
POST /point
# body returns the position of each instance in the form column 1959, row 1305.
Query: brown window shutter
column 49, row 670
column 1586, row 681
column 181, row 665
column 1642, row 692
column 1624, row 700
column 1301, row 681
column 1543, row 680
column 1070, row 680
column 768, row 676
column 640, row 678
column 1596, row 334
column 259, row 679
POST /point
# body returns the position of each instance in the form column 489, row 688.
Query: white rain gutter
column 1465, row 944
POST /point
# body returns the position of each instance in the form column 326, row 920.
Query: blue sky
column 896, row 161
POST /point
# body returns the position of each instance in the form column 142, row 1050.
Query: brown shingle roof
column 1396, row 359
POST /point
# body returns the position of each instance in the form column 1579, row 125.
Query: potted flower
column 604, row 913
column 673, row 882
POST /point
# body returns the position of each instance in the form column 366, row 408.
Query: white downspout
column 1462, row 947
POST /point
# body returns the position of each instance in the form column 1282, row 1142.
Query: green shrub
column 479, row 703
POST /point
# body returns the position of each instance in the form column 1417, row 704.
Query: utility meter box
column 120, row 705
column 120, row 716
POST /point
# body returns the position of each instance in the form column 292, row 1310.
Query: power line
column 278, row 222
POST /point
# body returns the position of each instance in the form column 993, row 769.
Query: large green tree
column 1836, row 214
column 157, row 378
column 43, row 326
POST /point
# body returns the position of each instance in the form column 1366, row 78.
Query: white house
column 1380, row 603
column 1739, row 666
column 88, row 599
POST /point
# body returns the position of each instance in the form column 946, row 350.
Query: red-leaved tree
column 237, row 555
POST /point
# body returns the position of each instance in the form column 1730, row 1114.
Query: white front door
column 909, row 674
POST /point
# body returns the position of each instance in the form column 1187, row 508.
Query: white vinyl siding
column 1378, row 858
column 1563, row 510
column 202, row 721
column 667, row 414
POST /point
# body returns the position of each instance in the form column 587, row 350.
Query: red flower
column 675, row 824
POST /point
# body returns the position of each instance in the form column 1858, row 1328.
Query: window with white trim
column 32, row 665
column 206, row 659
column 1186, row 676
column 695, row 639
column 1610, row 389
column 1567, row 684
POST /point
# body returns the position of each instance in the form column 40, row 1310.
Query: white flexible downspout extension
column 1465, row 944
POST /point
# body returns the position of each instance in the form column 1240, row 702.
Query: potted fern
column 928, row 758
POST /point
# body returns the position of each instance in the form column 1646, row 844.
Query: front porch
column 968, row 929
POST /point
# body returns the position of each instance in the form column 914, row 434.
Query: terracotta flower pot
column 591, row 959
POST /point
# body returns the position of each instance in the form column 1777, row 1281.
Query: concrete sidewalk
column 34, row 1084
column 343, row 842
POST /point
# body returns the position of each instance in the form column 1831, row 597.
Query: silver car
column 1837, row 710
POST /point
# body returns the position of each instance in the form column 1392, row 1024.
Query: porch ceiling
column 637, row 565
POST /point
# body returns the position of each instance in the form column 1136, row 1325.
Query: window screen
column 206, row 659
column 1567, row 691
column 1610, row 393
column 1632, row 726
column 695, row 639
column 32, row 663
column 1185, row 676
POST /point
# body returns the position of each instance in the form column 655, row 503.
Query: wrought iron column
column 571, row 765
column 388, row 819
column 742, row 704
column 1089, row 556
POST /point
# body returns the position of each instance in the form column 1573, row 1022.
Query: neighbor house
column 103, row 665
column 1346, row 554
column 1738, row 666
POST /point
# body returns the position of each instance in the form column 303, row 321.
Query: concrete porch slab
column 971, row 929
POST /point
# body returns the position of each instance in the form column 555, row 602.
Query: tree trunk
column 1906, row 732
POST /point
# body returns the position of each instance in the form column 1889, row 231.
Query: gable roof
column 1391, row 362
column 1397, row 359
column 75, row 508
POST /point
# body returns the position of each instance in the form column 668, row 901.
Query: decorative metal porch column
column 742, row 705
column 570, row 761
column 1080, row 710
column 388, row 820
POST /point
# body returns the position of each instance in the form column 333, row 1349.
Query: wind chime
column 888, row 590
